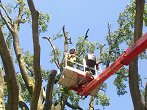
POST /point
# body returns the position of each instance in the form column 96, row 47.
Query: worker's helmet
column 72, row 50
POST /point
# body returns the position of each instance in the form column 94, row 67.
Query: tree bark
column 2, row 104
column 12, row 26
column 29, row 83
column 133, row 67
column 13, row 90
column 49, row 90
column 37, row 71
column 145, row 97
column 91, row 104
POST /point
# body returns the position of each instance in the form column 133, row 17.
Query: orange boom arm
column 130, row 54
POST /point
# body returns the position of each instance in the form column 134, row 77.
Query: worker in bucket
column 71, row 57
column 90, row 63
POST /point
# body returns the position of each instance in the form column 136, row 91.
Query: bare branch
column 6, row 12
column 9, row 25
column 20, row 14
column 65, row 44
column 54, row 50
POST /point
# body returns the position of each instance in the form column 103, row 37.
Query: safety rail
column 78, row 65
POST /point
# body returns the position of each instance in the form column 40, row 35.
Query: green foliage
column 83, row 46
column 116, row 44
column 59, row 35
column 24, row 91
column 28, row 58
column 74, row 98
column 102, row 99
column 120, row 86
column 43, row 22
column 55, row 55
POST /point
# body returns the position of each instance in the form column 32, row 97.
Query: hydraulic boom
column 130, row 54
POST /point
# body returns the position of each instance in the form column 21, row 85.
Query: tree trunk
column 2, row 104
column 145, row 97
column 133, row 67
column 13, row 90
column 36, row 62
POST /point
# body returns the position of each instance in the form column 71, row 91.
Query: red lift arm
column 130, row 54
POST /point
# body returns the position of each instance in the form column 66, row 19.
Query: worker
column 71, row 57
column 90, row 63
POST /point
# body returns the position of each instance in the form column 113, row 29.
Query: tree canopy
column 26, row 84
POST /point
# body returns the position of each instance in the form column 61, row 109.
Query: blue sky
column 78, row 16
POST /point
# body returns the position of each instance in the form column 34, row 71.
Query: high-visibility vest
column 71, row 57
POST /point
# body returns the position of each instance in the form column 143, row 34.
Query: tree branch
column 37, row 69
column 72, row 106
column 49, row 90
column 6, row 22
column 91, row 104
column 6, row 12
column 2, row 85
column 22, row 104
column 20, row 14
column 13, row 94
column 145, row 96
column 65, row 45
column 54, row 50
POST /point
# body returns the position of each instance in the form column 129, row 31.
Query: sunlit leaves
column 119, row 82
column 23, row 90
column 43, row 22
column 55, row 55
column 58, row 36
column 102, row 99
column 83, row 46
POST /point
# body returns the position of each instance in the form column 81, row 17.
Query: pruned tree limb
column 65, row 45
column 49, row 90
column 37, row 70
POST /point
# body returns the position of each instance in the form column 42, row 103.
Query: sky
column 78, row 16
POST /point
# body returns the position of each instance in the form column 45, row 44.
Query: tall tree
column 31, row 91
column 133, row 67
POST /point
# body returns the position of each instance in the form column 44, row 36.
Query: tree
column 29, row 79
column 25, row 88
column 131, row 18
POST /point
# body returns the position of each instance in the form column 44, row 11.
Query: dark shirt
column 90, row 60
